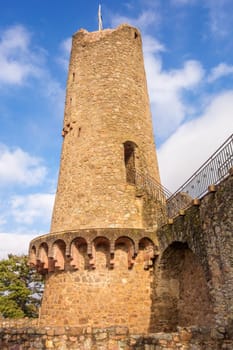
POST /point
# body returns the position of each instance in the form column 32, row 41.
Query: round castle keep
column 99, row 254
column 107, row 124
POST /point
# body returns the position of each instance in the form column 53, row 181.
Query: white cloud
column 166, row 90
column 195, row 141
column 19, row 60
column 53, row 90
column 152, row 45
column 19, row 167
column 183, row 2
column 16, row 58
column 65, row 48
column 221, row 70
column 12, row 243
column 166, row 87
column 66, row 45
column 143, row 21
column 30, row 208
column 2, row 220
column 220, row 17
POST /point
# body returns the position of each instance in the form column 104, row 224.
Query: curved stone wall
column 96, row 277
column 107, row 106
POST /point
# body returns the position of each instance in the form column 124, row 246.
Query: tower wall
column 106, row 106
column 102, row 298
column 96, row 278
column 98, row 257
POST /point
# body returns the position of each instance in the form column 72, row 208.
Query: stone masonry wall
column 106, row 105
column 181, row 295
column 216, row 215
column 96, row 277
column 191, row 283
column 113, row 338
column 100, row 297
column 206, row 231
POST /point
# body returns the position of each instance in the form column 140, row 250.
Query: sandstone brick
column 106, row 105
column 49, row 344
column 185, row 336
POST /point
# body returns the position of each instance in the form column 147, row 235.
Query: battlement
column 78, row 250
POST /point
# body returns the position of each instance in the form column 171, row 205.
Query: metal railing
column 214, row 170
column 151, row 186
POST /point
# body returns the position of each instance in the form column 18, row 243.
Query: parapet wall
column 113, row 338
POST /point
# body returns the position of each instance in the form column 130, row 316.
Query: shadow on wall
column 181, row 296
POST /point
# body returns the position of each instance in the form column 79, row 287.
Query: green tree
column 21, row 288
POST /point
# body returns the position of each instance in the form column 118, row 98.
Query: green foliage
column 21, row 288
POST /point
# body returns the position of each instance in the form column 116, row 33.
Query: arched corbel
column 91, row 254
column 112, row 254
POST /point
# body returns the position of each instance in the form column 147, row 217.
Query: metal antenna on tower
column 100, row 20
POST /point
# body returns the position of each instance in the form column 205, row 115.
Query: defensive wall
column 112, row 338
column 191, row 290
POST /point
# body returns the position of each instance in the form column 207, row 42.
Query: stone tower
column 99, row 254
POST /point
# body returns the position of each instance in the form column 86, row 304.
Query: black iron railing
column 214, row 170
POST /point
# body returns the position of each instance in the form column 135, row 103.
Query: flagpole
column 100, row 18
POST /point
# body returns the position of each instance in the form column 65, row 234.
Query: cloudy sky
column 188, row 52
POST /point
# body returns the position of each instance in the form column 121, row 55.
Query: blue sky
column 188, row 53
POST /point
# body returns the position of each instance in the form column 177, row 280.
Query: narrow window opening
column 73, row 76
column 135, row 35
column 79, row 131
column 129, row 158
column 70, row 100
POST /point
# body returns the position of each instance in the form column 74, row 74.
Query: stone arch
column 79, row 257
column 129, row 160
column 32, row 256
column 182, row 230
column 101, row 253
column 181, row 295
column 43, row 257
column 124, row 253
column 146, row 252
column 58, row 254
